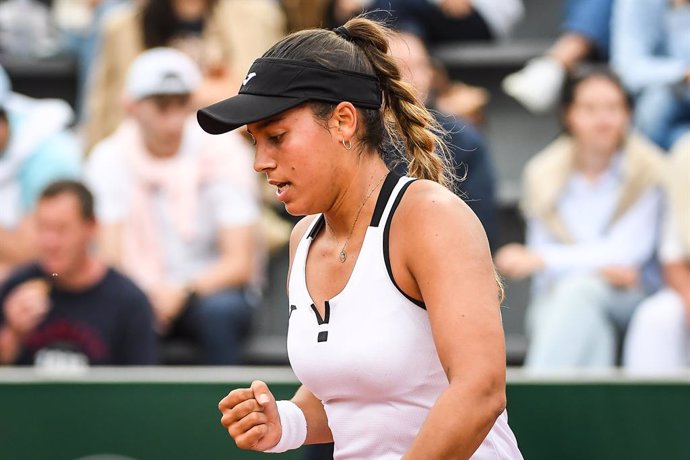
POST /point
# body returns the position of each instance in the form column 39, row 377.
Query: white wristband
column 294, row 427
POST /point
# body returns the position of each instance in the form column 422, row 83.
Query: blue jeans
column 219, row 323
column 662, row 113
column 576, row 324
column 591, row 19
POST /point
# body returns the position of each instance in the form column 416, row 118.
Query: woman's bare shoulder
column 428, row 199
column 430, row 213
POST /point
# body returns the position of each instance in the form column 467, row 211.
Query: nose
column 174, row 122
column 263, row 161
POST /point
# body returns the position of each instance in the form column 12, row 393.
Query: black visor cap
column 275, row 85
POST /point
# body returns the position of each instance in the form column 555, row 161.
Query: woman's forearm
column 318, row 431
column 459, row 421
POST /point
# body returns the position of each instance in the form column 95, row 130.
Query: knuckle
column 254, row 418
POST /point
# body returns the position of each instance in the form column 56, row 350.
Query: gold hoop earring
column 347, row 146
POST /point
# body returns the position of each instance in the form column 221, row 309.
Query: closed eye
column 275, row 140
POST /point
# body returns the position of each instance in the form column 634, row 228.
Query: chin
column 50, row 266
column 295, row 211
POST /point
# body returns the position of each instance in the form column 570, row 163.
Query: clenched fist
column 251, row 417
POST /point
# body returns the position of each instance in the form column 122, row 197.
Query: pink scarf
column 179, row 179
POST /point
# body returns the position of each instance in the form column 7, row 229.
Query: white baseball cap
column 161, row 71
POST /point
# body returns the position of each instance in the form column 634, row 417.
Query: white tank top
column 371, row 359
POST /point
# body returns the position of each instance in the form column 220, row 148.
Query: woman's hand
column 621, row 277
column 251, row 417
column 515, row 260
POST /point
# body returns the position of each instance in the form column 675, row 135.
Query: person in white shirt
column 657, row 340
column 394, row 321
column 591, row 202
column 179, row 209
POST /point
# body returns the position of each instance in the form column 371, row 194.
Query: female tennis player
column 394, row 328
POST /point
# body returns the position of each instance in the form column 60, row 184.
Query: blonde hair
column 404, row 123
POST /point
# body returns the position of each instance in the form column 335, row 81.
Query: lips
column 281, row 188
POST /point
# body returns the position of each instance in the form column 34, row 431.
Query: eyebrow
column 265, row 123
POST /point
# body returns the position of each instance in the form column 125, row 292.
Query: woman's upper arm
column 447, row 254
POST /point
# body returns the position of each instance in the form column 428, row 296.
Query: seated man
column 35, row 149
column 69, row 308
column 658, row 337
column 179, row 208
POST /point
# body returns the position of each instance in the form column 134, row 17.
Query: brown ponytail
column 404, row 124
column 406, row 117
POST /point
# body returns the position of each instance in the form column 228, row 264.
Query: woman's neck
column 355, row 203
column 592, row 162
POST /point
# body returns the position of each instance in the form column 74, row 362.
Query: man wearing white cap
column 179, row 208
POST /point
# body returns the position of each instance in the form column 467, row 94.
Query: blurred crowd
column 124, row 228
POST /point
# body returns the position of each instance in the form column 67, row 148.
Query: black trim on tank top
column 317, row 227
column 386, row 189
column 322, row 336
column 388, row 185
column 327, row 313
column 386, row 249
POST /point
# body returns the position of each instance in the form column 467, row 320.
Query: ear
column 344, row 120
column 129, row 105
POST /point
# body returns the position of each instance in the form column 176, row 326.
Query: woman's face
column 598, row 117
column 301, row 157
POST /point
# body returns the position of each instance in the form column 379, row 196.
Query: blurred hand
column 515, row 260
column 26, row 306
column 167, row 301
column 621, row 277
column 456, row 8
column 251, row 417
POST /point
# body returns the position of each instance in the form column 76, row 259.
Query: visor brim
column 242, row 109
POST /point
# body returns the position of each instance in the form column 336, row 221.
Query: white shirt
column 371, row 359
column 586, row 209
column 221, row 204
column 671, row 248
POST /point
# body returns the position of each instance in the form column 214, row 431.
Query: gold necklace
column 342, row 255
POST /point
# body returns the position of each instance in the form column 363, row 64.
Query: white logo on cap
column 249, row 77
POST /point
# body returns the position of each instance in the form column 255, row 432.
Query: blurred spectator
column 179, row 208
column 35, row 149
column 658, row 336
column 81, row 24
column 651, row 51
column 69, row 309
column 445, row 21
column 27, row 29
column 473, row 166
column 223, row 36
column 592, row 202
column 585, row 35
column 304, row 14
